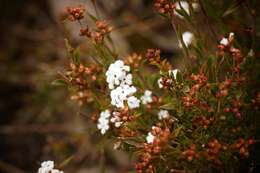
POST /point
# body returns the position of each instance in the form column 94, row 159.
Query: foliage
column 200, row 118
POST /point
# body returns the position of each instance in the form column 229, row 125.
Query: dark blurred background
column 38, row 121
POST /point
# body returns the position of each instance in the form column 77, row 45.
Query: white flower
column 182, row 5
column 103, row 125
column 117, row 74
column 120, row 94
column 173, row 72
column 48, row 167
column 133, row 102
column 103, row 121
column 224, row 41
column 127, row 80
column 120, row 82
column 105, row 114
column 160, row 83
column 163, row 114
column 187, row 38
column 231, row 35
column 185, row 6
column 118, row 124
column 147, row 97
column 56, row 171
column 150, row 138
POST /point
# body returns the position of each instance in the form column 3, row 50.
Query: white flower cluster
column 225, row 41
column 103, row 121
column 48, row 167
column 117, row 75
column 147, row 97
column 120, row 82
column 172, row 73
column 163, row 114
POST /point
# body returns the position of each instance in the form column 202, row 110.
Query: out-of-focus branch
column 8, row 168
column 48, row 128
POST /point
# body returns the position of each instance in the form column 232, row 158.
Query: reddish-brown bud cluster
column 190, row 153
column 126, row 132
column 150, row 149
column 102, row 29
column 242, row 145
column 188, row 101
column 154, row 58
column 153, row 55
column 133, row 60
column 234, row 52
column 206, row 106
column 144, row 165
column 122, row 116
column 200, row 81
column 82, row 97
column 165, row 7
column 202, row 121
column 213, row 151
column 236, row 105
column 166, row 82
column 76, row 13
column 85, row 32
column 223, row 88
column 80, row 76
column 78, row 72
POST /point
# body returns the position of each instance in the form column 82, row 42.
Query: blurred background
column 38, row 121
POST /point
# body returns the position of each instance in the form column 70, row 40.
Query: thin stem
column 207, row 19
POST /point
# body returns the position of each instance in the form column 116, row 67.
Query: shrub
column 200, row 118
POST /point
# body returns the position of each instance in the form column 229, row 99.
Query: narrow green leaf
column 59, row 82
column 76, row 57
column 94, row 18
column 168, row 106
column 232, row 8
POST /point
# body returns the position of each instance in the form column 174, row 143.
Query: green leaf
column 59, row 82
column 211, row 9
column 177, row 131
column 94, row 18
column 232, row 8
column 133, row 143
column 66, row 161
column 69, row 48
column 214, row 89
column 183, row 13
column 186, row 89
column 76, row 57
column 168, row 106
